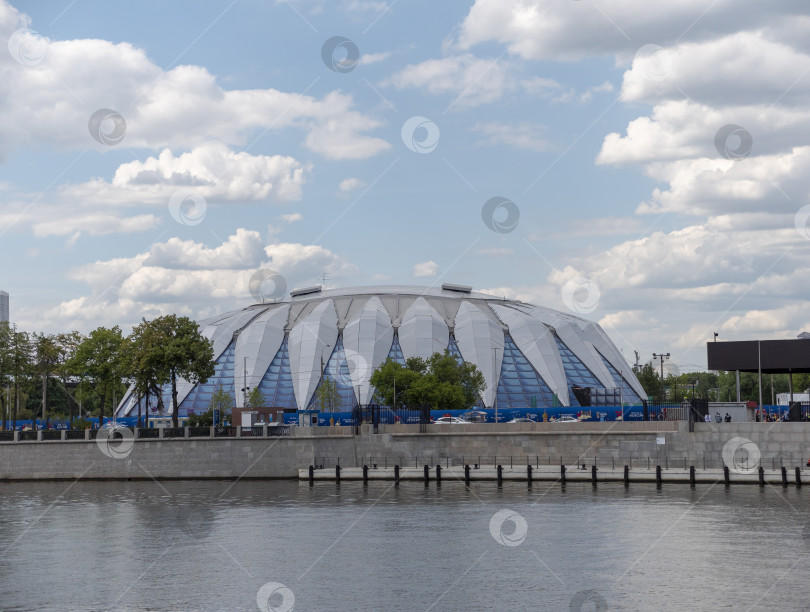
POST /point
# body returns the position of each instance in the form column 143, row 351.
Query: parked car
column 450, row 420
column 566, row 419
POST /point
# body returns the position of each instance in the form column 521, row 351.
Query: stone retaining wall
column 603, row 443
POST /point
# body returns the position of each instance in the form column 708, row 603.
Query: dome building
column 530, row 356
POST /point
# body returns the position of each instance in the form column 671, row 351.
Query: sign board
column 660, row 440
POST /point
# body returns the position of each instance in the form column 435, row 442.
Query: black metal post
column 396, row 473
column 593, row 474
column 562, row 473
column 500, row 475
column 692, row 475
column 658, row 475
column 311, row 474
column 626, row 475
column 761, row 476
column 529, row 474
column 784, row 476
column 427, row 473
column 467, row 474
column 438, row 474
column 726, row 475
column 337, row 473
column 798, row 477
column 365, row 474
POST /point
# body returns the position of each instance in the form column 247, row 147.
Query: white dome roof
column 362, row 325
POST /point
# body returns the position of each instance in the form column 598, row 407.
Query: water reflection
column 217, row 545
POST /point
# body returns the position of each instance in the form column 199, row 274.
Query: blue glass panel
column 452, row 347
column 520, row 386
column 628, row 395
column 577, row 373
column 199, row 399
column 277, row 384
column 337, row 369
column 396, row 351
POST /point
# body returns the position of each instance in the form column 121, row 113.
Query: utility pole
column 661, row 357
column 635, row 369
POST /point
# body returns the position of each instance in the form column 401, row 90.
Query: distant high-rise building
column 3, row 306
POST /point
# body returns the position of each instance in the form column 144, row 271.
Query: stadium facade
column 530, row 356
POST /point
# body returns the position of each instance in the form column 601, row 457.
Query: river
column 284, row 545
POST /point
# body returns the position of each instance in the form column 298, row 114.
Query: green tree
column 48, row 361
column 651, row 382
column 146, row 365
column 328, row 395
column 68, row 345
column 220, row 405
column 440, row 381
column 165, row 349
column 255, row 399
column 100, row 359
column 182, row 352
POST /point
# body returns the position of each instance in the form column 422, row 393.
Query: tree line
column 719, row 386
column 45, row 376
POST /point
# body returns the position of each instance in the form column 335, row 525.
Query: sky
column 643, row 165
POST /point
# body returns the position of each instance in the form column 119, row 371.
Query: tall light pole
column 661, row 356
column 496, row 387
column 322, row 380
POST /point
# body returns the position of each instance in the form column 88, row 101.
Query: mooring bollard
column 467, row 474
column 562, row 473
column 311, row 474
column 692, row 475
column 365, row 474
column 593, row 474
column 784, row 476
column 396, row 473
column 529, row 474
column 658, row 475
column 427, row 473
column 798, row 477
column 761, row 476
column 726, row 475
column 500, row 475
column 438, row 474
column 337, row 473
column 626, row 475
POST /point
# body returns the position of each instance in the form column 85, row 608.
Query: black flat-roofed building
column 761, row 357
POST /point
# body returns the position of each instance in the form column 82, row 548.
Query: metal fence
column 375, row 414
column 605, row 461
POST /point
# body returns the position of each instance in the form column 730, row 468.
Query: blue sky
column 601, row 123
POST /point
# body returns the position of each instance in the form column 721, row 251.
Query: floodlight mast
column 661, row 356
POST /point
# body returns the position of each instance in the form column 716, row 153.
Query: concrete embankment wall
column 605, row 443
